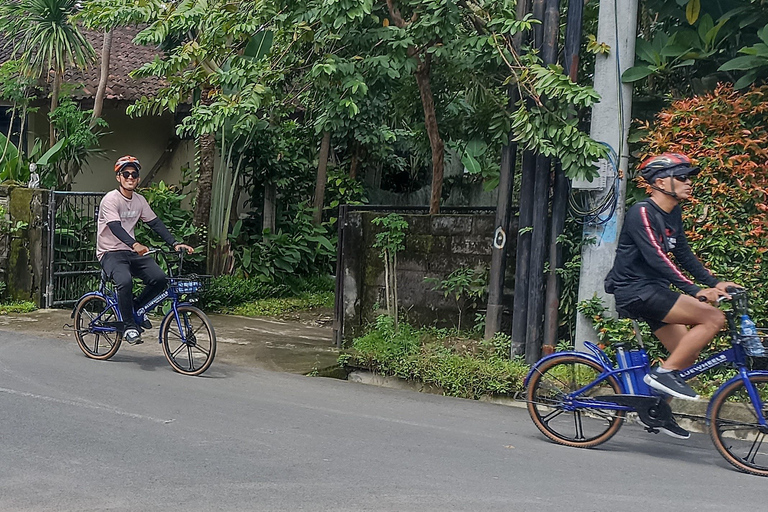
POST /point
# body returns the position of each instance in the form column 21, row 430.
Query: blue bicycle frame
column 174, row 292
column 630, row 376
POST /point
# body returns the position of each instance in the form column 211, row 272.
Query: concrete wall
column 436, row 245
column 22, row 253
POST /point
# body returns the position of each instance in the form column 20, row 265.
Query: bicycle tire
column 734, row 430
column 545, row 404
column 198, row 350
column 87, row 310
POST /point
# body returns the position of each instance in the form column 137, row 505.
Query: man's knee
column 157, row 278
column 715, row 318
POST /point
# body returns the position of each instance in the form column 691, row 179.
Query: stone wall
column 435, row 246
column 22, row 251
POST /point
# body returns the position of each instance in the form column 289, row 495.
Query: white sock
column 662, row 370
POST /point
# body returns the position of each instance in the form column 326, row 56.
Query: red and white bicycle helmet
column 127, row 161
column 666, row 164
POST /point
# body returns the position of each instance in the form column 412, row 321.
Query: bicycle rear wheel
column 549, row 409
column 92, row 312
column 193, row 352
column 734, row 428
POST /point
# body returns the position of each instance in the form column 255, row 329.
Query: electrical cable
column 585, row 208
column 583, row 205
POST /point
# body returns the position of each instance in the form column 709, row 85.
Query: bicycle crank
column 654, row 411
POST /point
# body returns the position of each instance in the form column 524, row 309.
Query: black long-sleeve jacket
column 642, row 262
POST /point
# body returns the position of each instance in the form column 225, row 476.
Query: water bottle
column 752, row 343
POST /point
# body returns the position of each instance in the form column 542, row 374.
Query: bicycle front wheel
column 189, row 342
column 548, row 403
column 95, row 329
column 734, row 427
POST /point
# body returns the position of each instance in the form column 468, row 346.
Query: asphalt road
column 129, row 434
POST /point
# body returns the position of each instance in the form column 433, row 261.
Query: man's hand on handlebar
column 184, row 247
column 711, row 295
column 724, row 285
column 140, row 249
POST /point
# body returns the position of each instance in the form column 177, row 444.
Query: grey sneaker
column 132, row 336
column 670, row 383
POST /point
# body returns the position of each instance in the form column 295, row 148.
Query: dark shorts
column 652, row 310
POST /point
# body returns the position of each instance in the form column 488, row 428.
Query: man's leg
column 153, row 277
column 117, row 267
column 705, row 321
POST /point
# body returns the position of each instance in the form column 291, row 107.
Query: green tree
column 46, row 40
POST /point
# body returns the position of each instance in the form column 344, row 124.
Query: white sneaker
column 132, row 336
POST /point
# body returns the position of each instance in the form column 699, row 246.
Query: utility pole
column 617, row 27
column 501, row 236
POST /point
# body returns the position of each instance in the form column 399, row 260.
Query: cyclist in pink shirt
column 120, row 255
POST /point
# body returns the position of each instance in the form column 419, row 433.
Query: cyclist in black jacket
column 643, row 271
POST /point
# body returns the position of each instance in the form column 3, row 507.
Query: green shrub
column 460, row 366
column 227, row 292
column 279, row 306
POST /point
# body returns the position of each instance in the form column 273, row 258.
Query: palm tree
column 43, row 35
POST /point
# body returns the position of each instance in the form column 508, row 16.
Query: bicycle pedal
column 652, row 430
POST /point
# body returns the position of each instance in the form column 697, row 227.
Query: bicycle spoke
column 755, row 448
column 554, row 414
column 579, row 426
column 191, row 357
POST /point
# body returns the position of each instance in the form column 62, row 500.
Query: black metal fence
column 72, row 265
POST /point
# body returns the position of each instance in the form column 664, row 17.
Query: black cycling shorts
column 652, row 310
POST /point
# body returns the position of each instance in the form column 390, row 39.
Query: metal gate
column 72, row 265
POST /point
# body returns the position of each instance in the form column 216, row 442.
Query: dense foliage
column 460, row 366
column 726, row 223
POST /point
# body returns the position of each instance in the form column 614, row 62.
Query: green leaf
column 692, row 11
column 259, row 45
column 52, row 153
column 472, row 165
column 636, row 73
column 743, row 63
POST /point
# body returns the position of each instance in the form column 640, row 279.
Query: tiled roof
column 124, row 58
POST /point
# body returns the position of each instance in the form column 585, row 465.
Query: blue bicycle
column 581, row 399
column 186, row 333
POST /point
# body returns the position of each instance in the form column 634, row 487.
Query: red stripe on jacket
column 662, row 254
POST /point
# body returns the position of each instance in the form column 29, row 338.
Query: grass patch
column 462, row 366
column 15, row 307
column 279, row 306
column 255, row 297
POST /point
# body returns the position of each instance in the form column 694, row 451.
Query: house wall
column 145, row 138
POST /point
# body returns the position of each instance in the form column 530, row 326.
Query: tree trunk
column 428, row 103
column 268, row 219
column 430, row 120
column 206, row 145
column 322, row 177
column 98, row 102
column 357, row 150
column 54, row 105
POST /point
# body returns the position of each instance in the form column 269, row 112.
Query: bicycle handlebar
column 180, row 253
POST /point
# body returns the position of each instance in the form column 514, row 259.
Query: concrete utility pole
column 617, row 27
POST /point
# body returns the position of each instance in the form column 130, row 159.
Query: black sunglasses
column 683, row 179
column 130, row 174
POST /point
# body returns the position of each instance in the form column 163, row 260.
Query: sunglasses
column 682, row 179
column 130, row 174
